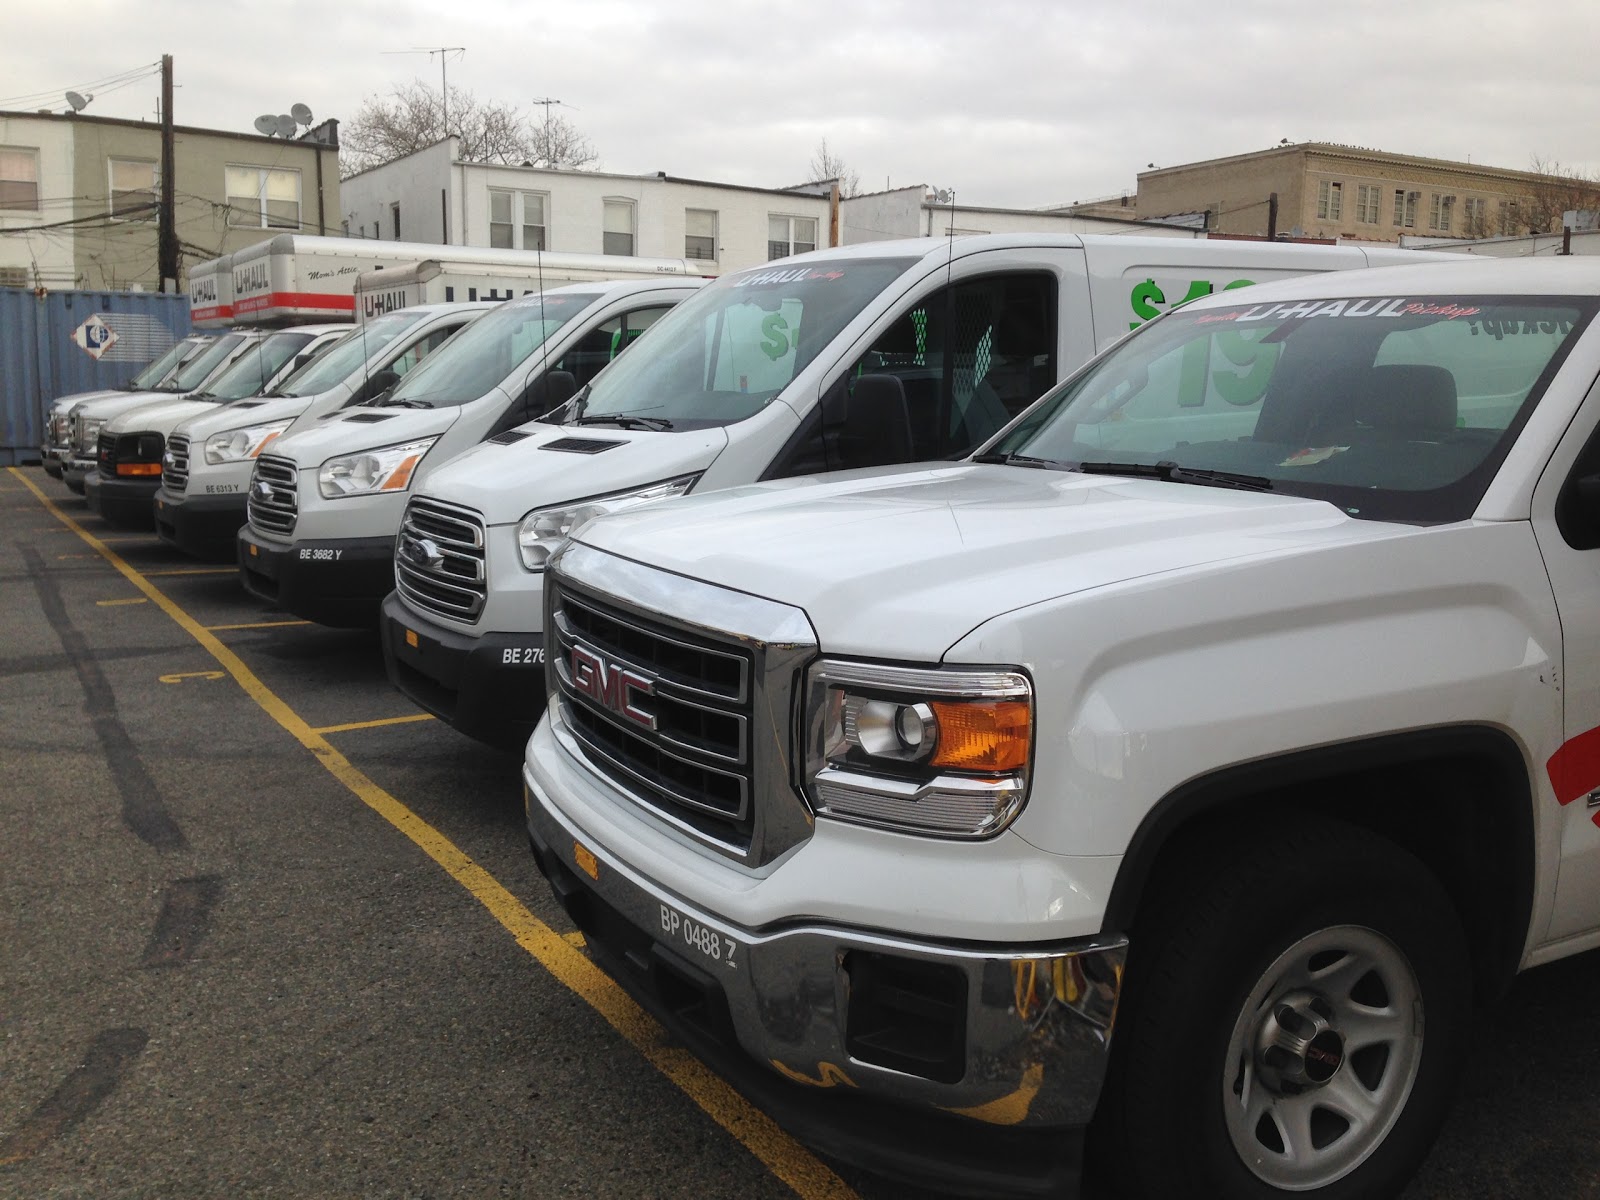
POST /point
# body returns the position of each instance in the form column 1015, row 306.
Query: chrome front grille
column 175, row 466
column 681, row 694
column 274, row 502
column 439, row 559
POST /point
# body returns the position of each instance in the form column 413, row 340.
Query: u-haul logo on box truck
column 375, row 304
column 253, row 278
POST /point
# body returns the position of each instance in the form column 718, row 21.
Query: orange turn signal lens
column 982, row 735
column 257, row 451
column 138, row 468
column 402, row 474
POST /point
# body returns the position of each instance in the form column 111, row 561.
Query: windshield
column 250, row 371
column 153, row 374
column 195, row 372
column 1393, row 408
column 492, row 348
column 727, row 351
column 346, row 356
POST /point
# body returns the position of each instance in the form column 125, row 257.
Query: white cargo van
column 324, row 505
column 472, row 273
column 890, row 352
column 216, row 354
column 58, row 441
column 206, row 468
column 132, row 444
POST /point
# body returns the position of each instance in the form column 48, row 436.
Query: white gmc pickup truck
column 1166, row 781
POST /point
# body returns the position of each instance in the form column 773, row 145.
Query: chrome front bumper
column 1038, row 1018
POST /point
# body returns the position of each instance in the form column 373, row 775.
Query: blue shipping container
column 46, row 350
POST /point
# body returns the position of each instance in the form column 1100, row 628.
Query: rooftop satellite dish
column 301, row 113
column 267, row 124
column 79, row 103
column 285, row 125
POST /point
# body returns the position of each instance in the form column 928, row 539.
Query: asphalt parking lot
column 268, row 930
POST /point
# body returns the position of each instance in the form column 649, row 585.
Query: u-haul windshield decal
column 784, row 275
column 1383, row 306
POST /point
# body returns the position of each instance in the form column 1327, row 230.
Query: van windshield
column 493, row 348
column 199, row 368
column 344, row 358
column 147, row 379
column 1395, row 408
column 726, row 352
column 251, row 370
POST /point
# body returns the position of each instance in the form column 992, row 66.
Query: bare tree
column 1560, row 190
column 825, row 164
column 412, row 117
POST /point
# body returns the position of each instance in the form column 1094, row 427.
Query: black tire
column 1180, row 1101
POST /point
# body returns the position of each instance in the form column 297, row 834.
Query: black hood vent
column 578, row 445
column 509, row 437
column 368, row 418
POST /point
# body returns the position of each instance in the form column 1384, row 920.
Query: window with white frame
column 1510, row 217
column 1440, row 209
column 19, row 180
column 1330, row 200
column 700, row 234
column 135, row 187
column 263, row 198
column 1367, row 204
column 790, row 235
column 517, row 219
column 1475, row 216
column 618, row 237
column 1405, row 208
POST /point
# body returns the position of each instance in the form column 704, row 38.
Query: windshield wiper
column 625, row 421
column 1171, row 472
column 392, row 402
column 574, row 405
column 997, row 458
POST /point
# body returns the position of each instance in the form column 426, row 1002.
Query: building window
column 394, row 217
column 1367, row 202
column 1440, row 209
column 618, row 227
column 263, row 198
column 1405, row 208
column 1330, row 200
column 790, row 235
column 1510, row 218
column 1475, row 217
column 19, row 180
column 516, row 220
column 699, row 234
column 134, row 188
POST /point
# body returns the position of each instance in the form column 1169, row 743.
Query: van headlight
column 545, row 530
column 941, row 753
column 388, row 469
column 89, row 431
column 236, row 445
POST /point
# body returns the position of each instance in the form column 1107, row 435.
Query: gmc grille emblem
column 611, row 685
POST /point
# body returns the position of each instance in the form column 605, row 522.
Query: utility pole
column 167, row 224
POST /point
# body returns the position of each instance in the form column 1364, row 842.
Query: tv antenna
column 547, row 103
column 444, row 53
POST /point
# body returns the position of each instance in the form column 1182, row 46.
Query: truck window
column 420, row 349
column 606, row 341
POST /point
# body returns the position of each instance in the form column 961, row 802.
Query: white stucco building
column 432, row 196
column 916, row 211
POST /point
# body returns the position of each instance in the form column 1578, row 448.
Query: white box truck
column 1182, row 768
column 206, row 467
column 326, row 502
column 211, row 293
column 759, row 377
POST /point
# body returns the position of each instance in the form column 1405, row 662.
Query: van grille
column 685, row 749
column 175, row 468
column 439, row 559
column 274, row 503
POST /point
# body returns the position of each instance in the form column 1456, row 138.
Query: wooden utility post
column 167, row 225
column 1272, row 217
column 833, row 214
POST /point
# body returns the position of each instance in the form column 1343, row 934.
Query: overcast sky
column 1010, row 102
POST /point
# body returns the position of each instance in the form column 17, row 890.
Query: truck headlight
column 89, row 432
column 942, row 753
column 236, row 445
column 387, row 469
column 545, row 530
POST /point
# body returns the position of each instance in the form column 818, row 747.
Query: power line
column 105, row 84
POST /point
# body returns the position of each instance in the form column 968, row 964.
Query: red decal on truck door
column 1575, row 768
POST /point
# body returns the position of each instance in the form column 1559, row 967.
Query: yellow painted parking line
column 114, row 603
column 796, row 1166
column 190, row 571
column 257, row 625
column 406, row 720
column 575, row 938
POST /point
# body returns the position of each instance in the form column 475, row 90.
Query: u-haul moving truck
column 464, row 273
column 211, row 293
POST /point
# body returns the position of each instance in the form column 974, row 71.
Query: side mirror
column 1578, row 512
column 551, row 392
column 300, row 360
column 876, row 423
column 376, row 385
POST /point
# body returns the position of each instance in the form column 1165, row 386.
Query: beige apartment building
column 79, row 195
column 1331, row 191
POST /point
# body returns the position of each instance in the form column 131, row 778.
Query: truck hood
column 255, row 411
column 903, row 563
column 159, row 416
column 352, row 430
column 115, row 403
column 68, row 403
column 552, row 464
